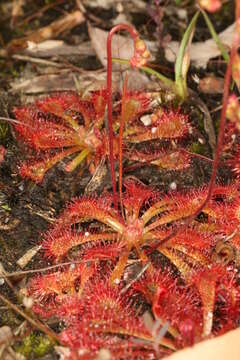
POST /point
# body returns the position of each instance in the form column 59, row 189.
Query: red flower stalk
column 189, row 218
column 138, row 59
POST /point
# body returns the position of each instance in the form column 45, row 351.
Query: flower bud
column 210, row 5
column 140, row 46
column 146, row 54
column 238, row 28
column 141, row 54
column 236, row 70
column 233, row 110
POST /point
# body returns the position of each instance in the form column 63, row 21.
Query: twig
column 135, row 278
column 36, row 323
column 25, row 272
column 37, row 60
column 197, row 155
column 39, row 12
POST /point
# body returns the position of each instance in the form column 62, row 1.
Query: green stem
column 111, row 33
column 215, row 36
column 148, row 70
column 180, row 78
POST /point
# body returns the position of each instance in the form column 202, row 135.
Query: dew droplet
column 146, row 119
column 173, row 185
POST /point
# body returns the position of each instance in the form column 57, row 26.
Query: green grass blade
column 179, row 80
column 215, row 36
column 148, row 70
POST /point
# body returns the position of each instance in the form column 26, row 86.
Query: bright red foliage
column 68, row 125
column 102, row 300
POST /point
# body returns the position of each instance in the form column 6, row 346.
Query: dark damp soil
column 27, row 209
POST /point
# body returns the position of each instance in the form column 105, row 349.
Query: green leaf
column 180, row 79
column 215, row 36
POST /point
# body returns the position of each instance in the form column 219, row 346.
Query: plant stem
column 215, row 36
column 134, row 36
column 168, row 82
column 120, row 143
column 227, row 81
column 36, row 323
column 180, row 72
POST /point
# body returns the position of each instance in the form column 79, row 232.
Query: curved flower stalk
column 139, row 58
column 221, row 133
column 179, row 86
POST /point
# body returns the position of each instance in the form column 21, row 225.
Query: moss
column 8, row 317
column 198, row 148
column 33, row 346
column 3, row 130
column 5, row 207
